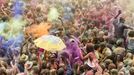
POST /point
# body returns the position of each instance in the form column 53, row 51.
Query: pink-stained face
column 89, row 73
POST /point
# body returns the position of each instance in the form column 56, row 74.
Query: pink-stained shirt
column 95, row 61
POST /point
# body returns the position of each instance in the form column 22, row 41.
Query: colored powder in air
column 53, row 14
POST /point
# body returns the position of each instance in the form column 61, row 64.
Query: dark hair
column 96, row 46
column 101, row 39
column 119, row 58
column 4, row 19
column 106, row 33
column 82, row 69
column 119, row 42
column 96, row 23
column 131, row 33
column 52, row 60
column 95, row 40
column 112, row 41
column 122, row 20
column 60, row 71
column 102, row 45
column 90, row 47
column 84, row 40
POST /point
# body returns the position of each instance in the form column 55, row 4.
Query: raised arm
column 84, row 57
column 115, row 19
column 119, row 12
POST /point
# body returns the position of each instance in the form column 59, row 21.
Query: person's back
column 119, row 30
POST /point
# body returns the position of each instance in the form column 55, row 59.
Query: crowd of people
column 98, row 40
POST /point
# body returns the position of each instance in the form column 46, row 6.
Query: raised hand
column 119, row 12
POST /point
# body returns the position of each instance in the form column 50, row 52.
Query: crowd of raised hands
column 97, row 39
